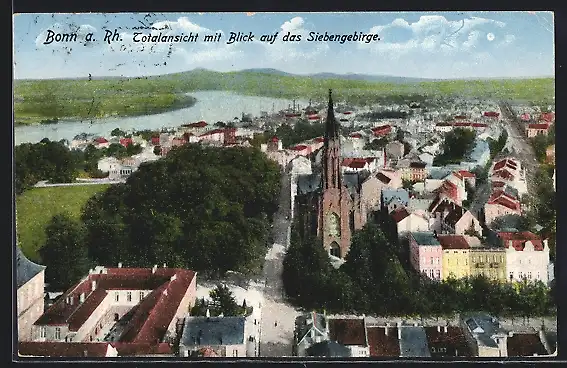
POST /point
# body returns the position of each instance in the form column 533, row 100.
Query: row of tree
column 201, row 208
column 496, row 146
column 374, row 281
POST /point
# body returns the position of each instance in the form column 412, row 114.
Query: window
column 438, row 274
column 511, row 276
column 448, row 261
column 42, row 332
column 437, row 260
column 141, row 295
column 457, row 261
column 235, row 353
column 117, row 296
column 431, row 260
column 129, row 296
column 529, row 275
column 57, row 333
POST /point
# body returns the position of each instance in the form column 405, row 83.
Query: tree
column 457, row 144
column 116, row 132
column 64, row 253
column 223, row 301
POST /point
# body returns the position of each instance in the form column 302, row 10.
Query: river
column 211, row 106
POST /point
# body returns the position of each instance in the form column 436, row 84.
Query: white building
column 30, row 295
column 527, row 256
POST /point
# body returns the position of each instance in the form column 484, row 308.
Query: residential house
column 382, row 131
column 468, row 177
column 371, row 189
column 492, row 115
column 438, row 210
column 509, row 171
column 426, row 254
column 350, row 333
column 130, row 305
column 485, row 336
column 394, row 198
column 489, row 262
column 443, row 127
column 525, row 344
column 126, row 141
column 395, row 150
column 447, row 341
column 547, row 117
column 451, row 191
column 301, row 150
column 274, row 144
column 197, row 128
column 226, row 336
column 427, row 186
column 353, row 165
column 535, row 129
column 383, row 341
column 527, row 256
column 101, row 142
column 328, row 349
column 456, row 256
column 460, row 221
column 427, row 158
column 500, row 204
column 407, row 222
column 417, row 171
column 310, row 329
column 459, row 181
column 413, row 342
column 66, row 349
column 30, row 281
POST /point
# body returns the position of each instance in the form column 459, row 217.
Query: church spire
column 331, row 128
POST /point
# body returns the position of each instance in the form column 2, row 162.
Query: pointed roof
column 331, row 124
column 25, row 269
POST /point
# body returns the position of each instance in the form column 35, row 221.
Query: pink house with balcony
column 426, row 254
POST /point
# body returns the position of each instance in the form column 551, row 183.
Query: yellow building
column 490, row 262
column 456, row 256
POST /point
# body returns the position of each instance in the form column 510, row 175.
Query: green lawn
column 37, row 206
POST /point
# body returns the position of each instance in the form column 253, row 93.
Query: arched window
column 116, row 317
column 335, row 249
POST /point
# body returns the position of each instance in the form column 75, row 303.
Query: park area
column 36, row 207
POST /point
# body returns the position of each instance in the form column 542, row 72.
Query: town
column 450, row 196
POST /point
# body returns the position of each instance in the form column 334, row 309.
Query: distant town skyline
column 435, row 45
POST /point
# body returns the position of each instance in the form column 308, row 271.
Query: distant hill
column 348, row 76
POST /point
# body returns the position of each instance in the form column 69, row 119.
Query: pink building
column 426, row 254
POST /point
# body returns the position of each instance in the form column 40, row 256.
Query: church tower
column 336, row 204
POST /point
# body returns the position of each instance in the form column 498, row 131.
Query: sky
column 440, row 45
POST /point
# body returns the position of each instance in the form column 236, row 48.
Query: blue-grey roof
column 400, row 195
column 413, row 342
column 308, row 183
column 425, row 238
column 199, row 331
column 481, row 148
column 25, row 269
column 483, row 327
column 511, row 191
column 306, row 322
column 328, row 349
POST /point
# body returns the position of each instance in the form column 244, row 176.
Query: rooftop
column 425, row 238
column 453, row 242
column 63, row 349
column 348, row 331
column 483, row 327
column 525, row 344
column 382, row 344
column 414, row 342
column 328, row 349
column 25, row 269
column 449, row 337
column 211, row 331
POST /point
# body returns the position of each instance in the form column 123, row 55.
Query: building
column 226, row 336
column 310, row 329
column 500, row 204
column 525, row 345
column 426, row 254
column 382, row 131
column 413, row 342
column 408, row 222
column 488, row 262
column 485, row 336
column 372, row 187
column 328, row 349
column 447, row 341
column 30, row 281
column 550, row 154
column 128, row 305
column 456, row 256
column 527, row 256
column 461, row 221
column 393, row 199
column 395, row 150
column 330, row 205
column 383, row 341
column 350, row 333
column 535, row 129
column 67, row 350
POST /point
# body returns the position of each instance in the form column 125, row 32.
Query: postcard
column 250, row 185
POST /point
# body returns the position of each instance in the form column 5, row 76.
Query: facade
column 372, row 187
column 408, row 222
column 527, row 256
column 460, row 221
column 533, row 130
column 226, row 336
column 129, row 305
column 484, row 335
column 447, row 341
column 30, row 280
column 501, row 204
column 456, row 256
column 71, row 350
column 426, row 254
column 489, row 262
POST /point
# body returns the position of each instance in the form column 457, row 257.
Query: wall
column 492, row 211
column 30, row 305
column 456, row 263
column 412, row 223
column 431, row 259
column 464, row 224
column 486, row 257
column 184, row 308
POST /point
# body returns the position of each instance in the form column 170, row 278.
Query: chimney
column 386, row 329
column 445, row 329
column 154, row 269
column 173, row 277
column 399, row 331
column 208, row 314
column 438, row 328
column 93, row 285
column 164, row 265
column 510, row 334
column 119, row 264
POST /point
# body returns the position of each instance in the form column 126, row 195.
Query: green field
column 37, row 206
column 48, row 99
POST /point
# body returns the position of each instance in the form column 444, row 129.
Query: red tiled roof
column 524, row 345
column 356, row 135
column 458, row 175
column 444, row 124
column 491, row 114
column 453, row 341
column 538, row 126
column 63, row 349
column 319, row 139
column 314, row 117
column 505, row 162
column 479, row 125
column 525, row 117
column 138, row 349
column 211, row 132
column 453, row 242
column 200, row 124
column 381, row 345
column 126, row 141
column 347, row 331
column 460, row 117
column 504, row 174
column 503, row 199
column 275, row 139
column 498, row 184
column 519, row 239
column 300, row 147
column 357, row 164
column 466, row 174
column 417, row 165
column 449, row 189
column 462, row 124
column 382, row 130
column 399, row 214
column 101, row 140
column 155, row 140
column 347, row 112
column 547, row 117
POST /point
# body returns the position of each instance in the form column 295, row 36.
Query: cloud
column 70, row 28
column 508, row 40
column 431, row 33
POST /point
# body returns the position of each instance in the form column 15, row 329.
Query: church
column 328, row 201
